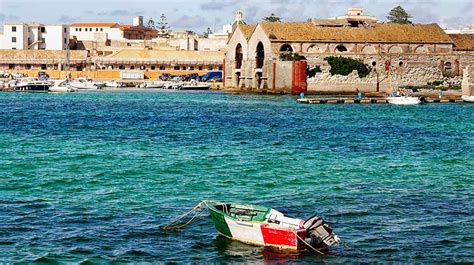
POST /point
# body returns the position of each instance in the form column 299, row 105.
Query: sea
column 91, row 177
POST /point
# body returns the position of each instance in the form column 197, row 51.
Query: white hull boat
column 113, row 84
column 403, row 100
column 62, row 86
column 469, row 99
column 85, row 84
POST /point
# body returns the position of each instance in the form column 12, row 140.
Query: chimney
column 138, row 21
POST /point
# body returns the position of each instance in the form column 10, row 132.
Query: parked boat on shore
column 193, row 85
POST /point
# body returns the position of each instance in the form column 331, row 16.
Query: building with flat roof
column 33, row 36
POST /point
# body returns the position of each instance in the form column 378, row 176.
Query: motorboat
column 113, row 84
column 267, row 227
column 153, row 85
column 30, row 84
column 404, row 100
column 62, row 86
column 86, row 83
column 193, row 85
column 469, row 99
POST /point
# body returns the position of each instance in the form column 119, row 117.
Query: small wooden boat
column 262, row 226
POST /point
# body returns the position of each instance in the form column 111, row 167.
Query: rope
column 311, row 247
column 196, row 210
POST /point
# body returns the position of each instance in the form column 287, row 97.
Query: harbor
column 236, row 132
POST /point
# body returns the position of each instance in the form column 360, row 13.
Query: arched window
column 259, row 55
column 341, row 48
column 238, row 56
column 286, row 48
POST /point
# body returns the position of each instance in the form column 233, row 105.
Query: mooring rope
column 196, row 210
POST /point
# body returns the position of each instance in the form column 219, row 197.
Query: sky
column 198, row 15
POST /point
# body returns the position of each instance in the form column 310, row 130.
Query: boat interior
column 243, row 212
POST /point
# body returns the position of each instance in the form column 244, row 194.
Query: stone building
column 404, row 54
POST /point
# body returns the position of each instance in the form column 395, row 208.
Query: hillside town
column 269, row 56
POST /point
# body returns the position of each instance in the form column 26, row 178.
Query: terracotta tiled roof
column 463, row 42
column 94, row 24
column 247, row 30
column 307, row 31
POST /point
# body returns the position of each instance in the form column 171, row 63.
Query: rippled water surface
column 93, row 176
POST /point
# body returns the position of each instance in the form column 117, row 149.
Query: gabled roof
column 94, row 24
column 247, row 30
column 391, row 33
column 463, row 42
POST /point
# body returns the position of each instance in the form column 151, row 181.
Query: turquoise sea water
column 93, row 176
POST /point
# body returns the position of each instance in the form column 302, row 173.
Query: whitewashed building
column 25, row 36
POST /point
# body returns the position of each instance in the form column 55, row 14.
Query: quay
column 369, row 100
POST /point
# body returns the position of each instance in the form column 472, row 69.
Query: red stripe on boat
column 283, row 237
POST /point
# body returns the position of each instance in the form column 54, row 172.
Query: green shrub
column 435, row 83
column 311, row 71
column 345, row 66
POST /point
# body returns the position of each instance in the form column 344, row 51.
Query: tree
column 163, row 27
column 272, row 18
column 151, row 24
column 399, row 15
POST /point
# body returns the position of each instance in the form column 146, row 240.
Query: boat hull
column 404, row 100
column 259, row 233
column 469, row 99
column 33, row 88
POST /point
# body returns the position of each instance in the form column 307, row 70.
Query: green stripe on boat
column 219, row 221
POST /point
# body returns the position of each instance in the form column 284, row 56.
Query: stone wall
column 404, row 70
column 468, row 82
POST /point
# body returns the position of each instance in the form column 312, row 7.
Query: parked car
column 212, row 76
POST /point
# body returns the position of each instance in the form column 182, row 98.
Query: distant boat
column 113, row 84
column 263, row 226
column 30, row 84
column 404, row 100
column 469, row 99
column 62, row 86
column 193, row 85
column 86, row 83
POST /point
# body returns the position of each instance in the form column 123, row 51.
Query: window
column 210, row 68
column 65, row 30
column 153, row 67
column 200, row 68
column 14, row 29
column 176, row 67
column 13, row 39
column 183, row 68
column 90, row 29
column 85, row 29
column 28, row 66
column 43, row 30
column 76, row 29
column 13, row 48
column 220, row 68
column 132, row 67
column 96, row 29
column 121, row 67
column 101, row 29
column 162, row 67
column 80, row 29
column 191, row 68
column 341, row 48
column 43, row 67
column 65, row 40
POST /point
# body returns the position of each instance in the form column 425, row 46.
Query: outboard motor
column 319, row 233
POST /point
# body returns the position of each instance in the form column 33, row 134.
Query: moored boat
column 86, row 83
column 404, row 100
column 469, row 99
column 262, row 226
column 62, row 86
column 30, row 85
